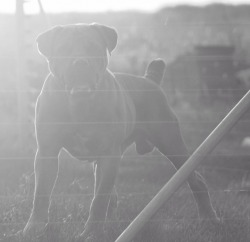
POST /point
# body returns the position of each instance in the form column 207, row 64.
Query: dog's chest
column 89, row 145
column 95, row 129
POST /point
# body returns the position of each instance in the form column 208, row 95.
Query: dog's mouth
column 81, row 79
column 81, row 91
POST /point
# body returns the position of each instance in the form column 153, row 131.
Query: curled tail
column 155, row 70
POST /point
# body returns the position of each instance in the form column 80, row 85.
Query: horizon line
column 132, row 9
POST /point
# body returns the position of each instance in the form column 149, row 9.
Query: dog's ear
column 45, row 41
column 108, row 34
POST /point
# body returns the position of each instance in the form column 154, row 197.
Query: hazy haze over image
column 31, row 6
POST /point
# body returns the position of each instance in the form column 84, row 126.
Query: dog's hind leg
column 170, row 143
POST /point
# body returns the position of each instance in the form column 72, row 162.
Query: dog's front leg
column 112, row 206
column 105, row 174
column 46, row 168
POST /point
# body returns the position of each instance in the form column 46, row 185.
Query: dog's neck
column 60, row 84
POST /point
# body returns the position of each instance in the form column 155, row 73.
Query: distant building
column 207, row 73
column 217, row 70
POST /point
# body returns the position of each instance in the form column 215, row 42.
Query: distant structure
column 217, row 69
column 205, row 74
column 26, row 74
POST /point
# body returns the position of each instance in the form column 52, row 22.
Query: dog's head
column 77, row 54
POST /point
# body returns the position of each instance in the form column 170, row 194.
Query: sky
column 31, row 6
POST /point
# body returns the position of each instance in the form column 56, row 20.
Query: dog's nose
column 80, row 63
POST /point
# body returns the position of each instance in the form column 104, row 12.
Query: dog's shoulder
column 52, row 96
column 133, row 82
column 52, row 83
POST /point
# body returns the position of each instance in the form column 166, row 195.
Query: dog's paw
column 209, row 216
column 88, row 238
column 91, row 235
column 16, row 237
column 34, row 227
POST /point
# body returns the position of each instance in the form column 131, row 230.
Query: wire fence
column 153, row 158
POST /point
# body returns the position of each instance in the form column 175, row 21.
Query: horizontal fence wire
column 169, row 90
column 152, row 220
column 135, row 156
column 138, row 158
column 121, row 122
column 120, row 194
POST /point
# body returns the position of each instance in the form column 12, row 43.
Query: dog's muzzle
column 82, row 79
column 81, row 64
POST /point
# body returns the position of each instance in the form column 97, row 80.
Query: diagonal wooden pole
column 189, row 166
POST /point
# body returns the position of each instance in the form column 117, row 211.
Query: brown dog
column 95, row 115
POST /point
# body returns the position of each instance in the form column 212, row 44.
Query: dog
column 96, row 115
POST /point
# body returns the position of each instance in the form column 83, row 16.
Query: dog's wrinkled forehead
column 78, row 39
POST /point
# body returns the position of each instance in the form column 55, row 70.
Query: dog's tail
column 155, row 71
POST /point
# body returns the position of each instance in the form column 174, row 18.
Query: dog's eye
column 63, row 50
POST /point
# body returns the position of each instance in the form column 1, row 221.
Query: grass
column 138, row 181
column 176, row 221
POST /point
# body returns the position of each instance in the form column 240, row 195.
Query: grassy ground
column 138, row 181
column 176, row 221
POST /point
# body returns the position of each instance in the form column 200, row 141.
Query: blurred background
column 206, row 48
